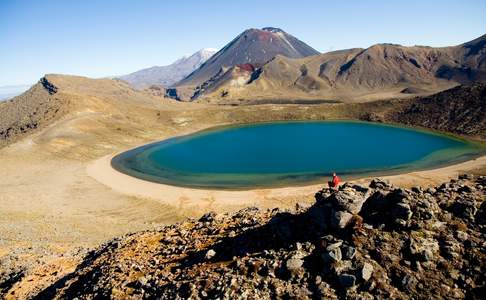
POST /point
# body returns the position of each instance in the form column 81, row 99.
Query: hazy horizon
column 118, row 37
column 9, row 91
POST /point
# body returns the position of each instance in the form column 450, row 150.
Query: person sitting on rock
column 335, row 181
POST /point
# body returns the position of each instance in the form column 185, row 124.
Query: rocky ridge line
column 34, row 109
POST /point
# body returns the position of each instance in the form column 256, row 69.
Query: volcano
column 253, row 46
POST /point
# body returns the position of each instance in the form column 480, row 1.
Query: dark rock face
column 172, row 93
column 51, row 89
column 398, row 243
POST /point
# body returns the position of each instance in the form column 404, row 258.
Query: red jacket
column 335, row 181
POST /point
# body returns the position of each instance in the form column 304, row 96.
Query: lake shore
column 195, row 201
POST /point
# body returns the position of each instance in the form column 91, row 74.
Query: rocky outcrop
column 364, row 242
column 50, row 88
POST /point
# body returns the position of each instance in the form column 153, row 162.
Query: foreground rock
column 365, row 242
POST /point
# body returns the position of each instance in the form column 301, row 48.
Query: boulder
column 466, row 189
column 461, row 235
column 347, row 280
column 451, row 249
column 465, row 208
column 340, row 219
column 379, row 183
column 333, row 255
column 210, row 254
column 208, row 217
column 333, row 246
column 397, row 195
column 348, row 252
column 466, row 177
column 480, row 215
column 323, row 194
column 402, row 211
column 423, row 249
column 294, row 265
column 342, row 266
column 349, row 199
column 374, row 204
column 366, row 271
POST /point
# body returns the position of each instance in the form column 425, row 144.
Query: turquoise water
column 289, row 153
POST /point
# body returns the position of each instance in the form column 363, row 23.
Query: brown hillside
column 381, row 71
column 62, row 96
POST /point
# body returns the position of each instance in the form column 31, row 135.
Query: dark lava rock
column 347, row 280
column 402, row 211
column 465, row 208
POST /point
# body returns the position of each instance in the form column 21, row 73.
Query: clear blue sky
column 102, row 38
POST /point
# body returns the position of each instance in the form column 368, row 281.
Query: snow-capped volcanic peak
column 206, row 53
column 170, row 74
column 253, row 46
column 273, row 29
column 208, row 50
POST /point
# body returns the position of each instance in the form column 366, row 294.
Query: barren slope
column 61, row 96
column 460, row 110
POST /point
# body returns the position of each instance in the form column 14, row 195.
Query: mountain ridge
column 168, row 75
column 357, row 74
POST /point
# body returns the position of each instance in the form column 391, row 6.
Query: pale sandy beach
column 194, row 201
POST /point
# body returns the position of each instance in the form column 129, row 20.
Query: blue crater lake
column 290, row 153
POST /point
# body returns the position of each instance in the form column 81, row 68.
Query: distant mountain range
column 269, row 65
column 380, row 71
column 166, row 76
column 272, row 64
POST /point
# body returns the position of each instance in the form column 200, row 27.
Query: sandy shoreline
column 194, row 201
column 190, row 199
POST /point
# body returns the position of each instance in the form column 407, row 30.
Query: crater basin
column 290, row 153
